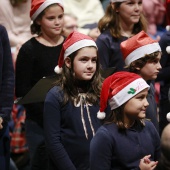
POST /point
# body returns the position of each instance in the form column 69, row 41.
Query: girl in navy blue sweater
column 126, row 141
column 70, row 112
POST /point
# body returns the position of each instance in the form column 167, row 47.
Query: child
column 36, row 59
column 70, row 111
column 126, row 137
column 142, row 55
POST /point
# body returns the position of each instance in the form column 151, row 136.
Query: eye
column 94, row 60
column 83, row 59
column 60, row 16
column 50, row 18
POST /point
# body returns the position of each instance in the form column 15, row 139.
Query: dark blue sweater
column 109, row 51
column 113, row 150
column 6, row 76
column 64, row 133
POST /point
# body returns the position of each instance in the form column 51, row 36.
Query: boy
column 142, row 55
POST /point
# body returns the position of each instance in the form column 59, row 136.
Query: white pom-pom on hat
column 168, row 27
column 101, row 115
column 58, row 69
column 168, row 117
column 168, row 49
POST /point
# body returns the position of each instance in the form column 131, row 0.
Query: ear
column 68, row 62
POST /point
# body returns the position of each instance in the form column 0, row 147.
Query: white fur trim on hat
column 45, row 5
column 101, row 115
column 77, row 45
column 141, row 52
column 127, row 93
column 117, row 0
column 58, row 70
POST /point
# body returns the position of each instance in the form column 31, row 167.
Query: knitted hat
column 37, row 6
column 74, row 42
column 117, row 0
column 138, row 46
column 118, row 89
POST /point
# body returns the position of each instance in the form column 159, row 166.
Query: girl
column 70, row 110
column 36, row 59
column 126, row 140
column 142, row 55
column 122, row 19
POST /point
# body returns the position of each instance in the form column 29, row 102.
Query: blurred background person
column 14, row 15
column 70, row 24
column 154, row 11
column 88, row 13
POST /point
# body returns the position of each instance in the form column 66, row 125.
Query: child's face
column 85, row 63
column 130, row 11
column 52, row 21
column 135, row 108
column 151, row 69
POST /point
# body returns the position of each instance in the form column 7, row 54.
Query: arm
column 24, row 67
column 101, row 151
column 52, row 130
column 6, row 77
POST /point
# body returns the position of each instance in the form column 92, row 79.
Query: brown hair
column 140, row 63
column 111, row 21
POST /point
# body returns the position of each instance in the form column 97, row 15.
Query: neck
column 82, row 85
column 50, row 41
column 129, row 124
column 126, row 30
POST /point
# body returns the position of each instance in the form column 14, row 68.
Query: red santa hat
column 74, row 42
column 138, row 46
column 37, row 6
column 118, row 89
column 167, row 7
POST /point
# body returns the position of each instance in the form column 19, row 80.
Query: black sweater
column 34, row 62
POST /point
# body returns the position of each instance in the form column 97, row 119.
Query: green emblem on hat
column 131, row 91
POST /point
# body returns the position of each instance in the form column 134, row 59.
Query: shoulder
column 3, row 31
column 166, row 36
column 2, row 28
column 55, row 93
column 107, row 129
column 149, row 126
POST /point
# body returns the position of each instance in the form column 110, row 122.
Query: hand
column 146, row 164
column 1, row 121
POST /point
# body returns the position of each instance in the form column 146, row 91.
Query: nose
column 146, row 104
column 137, row 7
column 90, row 64
column 159, row 66
column 56, row 21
